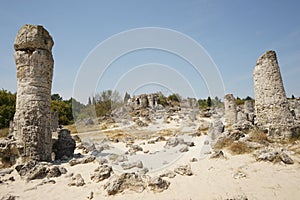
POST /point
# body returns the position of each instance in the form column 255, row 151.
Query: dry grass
column 234, row 147
column 72, row 128
column 4, row 132
column 223, row 142
column 258, row 136
column 239, row 148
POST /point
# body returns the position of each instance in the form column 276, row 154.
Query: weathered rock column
column 32, row 120
column 271, row 105
column 230, row 110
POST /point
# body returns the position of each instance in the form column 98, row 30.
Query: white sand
column 212, row 179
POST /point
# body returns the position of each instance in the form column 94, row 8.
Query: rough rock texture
column 34, row 170
column 157, row 184
column 137, row 164
column 184, row 170
column 230, row 110
column 64, row 145
column 77, row 181
column 83, row 160
column 271, row 105
column 131, row 181
column 102, row 172
column 32, row 120
column 8, row 152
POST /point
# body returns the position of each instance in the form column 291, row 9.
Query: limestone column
column 32, row 120
column 271, row 105
column 230, row 110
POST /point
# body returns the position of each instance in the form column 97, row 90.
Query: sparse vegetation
column 4, row 132
column 258, row 136
column 239, row 148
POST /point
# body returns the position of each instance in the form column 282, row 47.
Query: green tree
column 208, row 102
column 7, row 107
column 126, row 97
column 56, row 97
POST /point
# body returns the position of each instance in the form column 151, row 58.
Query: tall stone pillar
column 271, row 105
column 32, row 120
column 230, row 110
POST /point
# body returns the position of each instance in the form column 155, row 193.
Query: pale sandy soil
column 212, row 179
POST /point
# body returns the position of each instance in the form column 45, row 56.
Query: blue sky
column 234, row 33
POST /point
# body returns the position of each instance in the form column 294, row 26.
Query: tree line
column 103, row 103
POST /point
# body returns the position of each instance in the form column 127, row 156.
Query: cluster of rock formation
column 144, row 100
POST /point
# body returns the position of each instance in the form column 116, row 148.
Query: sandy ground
column 212, row 179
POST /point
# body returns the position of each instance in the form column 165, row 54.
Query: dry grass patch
column 223, row 142
column 258, row 136
column 72, row 128
column 4, row 132
column 239, row 148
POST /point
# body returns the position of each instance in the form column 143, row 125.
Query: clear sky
column 233, row 32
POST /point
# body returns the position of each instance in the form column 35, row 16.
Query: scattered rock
column 134, row 148
column 77, row 181
column 76, row 138
column 206, row 142
column 173, row 142
column 194, row 160
column 91, row 195
column 102, row 172
column 286, row 159
column 168, row 174
column 217, row 154
column 131, row 165
column 8, row 197
column 126, row 181
column 88, row 145
column 273, row 155
column 184, row 149
column 53, row 171
column 239, row 175
column 143, row 171
column 4, row 172
column 184, row 170
column 83, row 160
column 101, row 160
column 157, row 184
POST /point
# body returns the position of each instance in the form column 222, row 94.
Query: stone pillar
column 32, row 120
column 249, row 106
column 271, row 105
column 230, row 110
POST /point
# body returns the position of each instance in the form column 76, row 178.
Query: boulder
column 77, row 181
column 184, row 170
column 157, row 184
column 102, row 172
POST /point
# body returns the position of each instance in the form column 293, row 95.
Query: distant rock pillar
column 230, row 110
column 32, row 120
column 271, row 105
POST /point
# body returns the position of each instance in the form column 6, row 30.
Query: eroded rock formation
column 230, row 110
column 32, row 120
column 271, row 105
